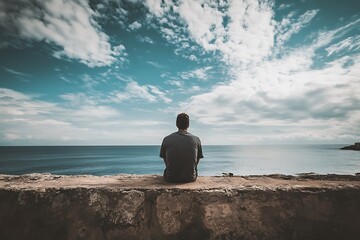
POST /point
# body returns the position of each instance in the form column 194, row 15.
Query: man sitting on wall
column 181, row 152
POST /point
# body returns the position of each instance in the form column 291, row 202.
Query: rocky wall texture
column 286, row 209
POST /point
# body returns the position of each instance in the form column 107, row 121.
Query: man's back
column 181, row 152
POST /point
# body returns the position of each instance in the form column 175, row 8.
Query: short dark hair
column 182, row 121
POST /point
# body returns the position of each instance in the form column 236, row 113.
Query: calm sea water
column 240, row 160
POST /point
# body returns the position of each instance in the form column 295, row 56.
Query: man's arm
column 200, row 152
column 163, row 151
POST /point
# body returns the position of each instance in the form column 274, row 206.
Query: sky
column 117, row 72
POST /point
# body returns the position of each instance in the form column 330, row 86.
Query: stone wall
column 58, row 207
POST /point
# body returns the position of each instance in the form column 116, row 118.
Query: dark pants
column 179, row 180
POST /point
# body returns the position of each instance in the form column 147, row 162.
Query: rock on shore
column 356, row 147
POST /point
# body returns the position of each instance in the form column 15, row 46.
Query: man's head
column 182, row 121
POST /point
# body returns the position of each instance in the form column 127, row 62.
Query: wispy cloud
column 349, row 44
column 165, row 17
column 288, row 91
column 291, row 25
column 257, row 69
column 156, row 64
column 70, row 25
column 133, row 91
column 176, row 83
column 146, row 40
column 159, row 7
column 197, row 74
column 79, row 99
column 246, row 37
column 17, row 73
column 24, row 119
column 135, row 25
column 271, row 84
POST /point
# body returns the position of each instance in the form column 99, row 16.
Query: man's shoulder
column 193, row 135
column 173, row 134
column 170, row 136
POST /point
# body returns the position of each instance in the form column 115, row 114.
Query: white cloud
column 28, row 117
column 193, row 57
column 69, row 25
column 250, row 33
column 6, row 93
column 165, row 15
column 156, row 64
column 17, row 73
column 160, row 94
column 12, row 136
column 247, row 36
column 78, row 99
column 275, row 92
column 94, row 112
column 350, row 43
column 199, row 73
column 135, row 25
column 28, row 108
column 33, row 121
column 281, row 92
column 146, row 40
column 285, row 90
column 169, row 33
column 194, row 89
column 204, row 22
column 134, row 91
column 292, row 25
column 158, row 7
column 74, row 121
column 19, row 104
column 174, row 83
column 284, row 6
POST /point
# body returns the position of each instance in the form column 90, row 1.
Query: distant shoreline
column 355, row 147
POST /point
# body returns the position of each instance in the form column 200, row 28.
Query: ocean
column 240, row 160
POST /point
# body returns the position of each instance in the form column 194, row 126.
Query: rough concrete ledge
column 45, row 206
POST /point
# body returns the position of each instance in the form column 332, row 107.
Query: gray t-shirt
column 181, row 152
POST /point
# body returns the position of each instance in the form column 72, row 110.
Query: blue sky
column 118, row 72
